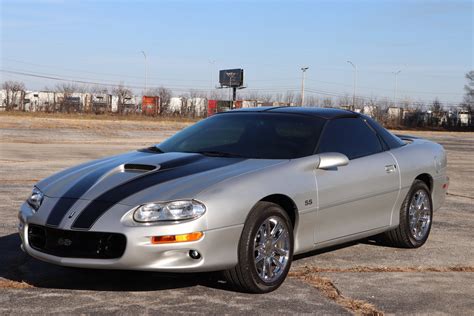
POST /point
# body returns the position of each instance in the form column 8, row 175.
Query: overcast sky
column 431, row 42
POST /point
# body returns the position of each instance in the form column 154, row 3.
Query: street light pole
column 355, row 84
column 303, row 69
column 146, row 73
column 212, row 62
column 396, row 87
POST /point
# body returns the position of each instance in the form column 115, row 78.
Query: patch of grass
column 311, row 276
column 106, row 116
column 9, row 284
column 328, row 289
column 393, row 269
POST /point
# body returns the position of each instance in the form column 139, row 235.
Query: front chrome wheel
column 419, row 214
column 265, row 250
column 271, row 249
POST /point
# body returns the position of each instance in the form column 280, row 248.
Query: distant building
column 394, row 113
column 249, row 103
column 464, row 118
column 369, row 110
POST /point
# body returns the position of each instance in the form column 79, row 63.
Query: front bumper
column 217, row 248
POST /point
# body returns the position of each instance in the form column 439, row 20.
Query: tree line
column 417, row 113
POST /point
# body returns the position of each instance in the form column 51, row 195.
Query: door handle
column 390, row 168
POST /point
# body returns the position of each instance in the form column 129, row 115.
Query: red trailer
column 150, row 105
column 211, row 107
column 237, row 104
column 215, row 106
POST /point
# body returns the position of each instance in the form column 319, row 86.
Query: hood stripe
column 64, row 203
column 169, row 171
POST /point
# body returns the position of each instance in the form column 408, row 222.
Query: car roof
column 325, row 113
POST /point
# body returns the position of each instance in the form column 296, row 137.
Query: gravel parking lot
column 360, row 277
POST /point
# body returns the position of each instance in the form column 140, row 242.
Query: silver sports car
column 240, row 192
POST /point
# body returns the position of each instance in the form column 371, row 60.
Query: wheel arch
column 287, row 204
column 427, row 179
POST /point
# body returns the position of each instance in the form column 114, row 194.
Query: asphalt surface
column 428, row 280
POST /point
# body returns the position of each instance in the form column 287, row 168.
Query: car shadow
column 325, row 250
column 377, row 240
column 17, row 266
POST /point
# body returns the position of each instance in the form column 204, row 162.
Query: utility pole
column 355, row 84
column 212, row 62
column 303, row 69
column 396, row 86
column 146, row 74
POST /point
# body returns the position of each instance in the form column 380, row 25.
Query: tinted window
column 251, row 135
column 351, row 137
column 391, row 140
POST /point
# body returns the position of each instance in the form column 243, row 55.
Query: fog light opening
column 194, row 254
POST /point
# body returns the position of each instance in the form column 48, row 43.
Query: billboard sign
column 231, row 77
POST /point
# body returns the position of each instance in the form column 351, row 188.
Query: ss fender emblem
column 308, row 202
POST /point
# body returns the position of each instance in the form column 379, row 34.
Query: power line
column 289, row 79
column 188, row 88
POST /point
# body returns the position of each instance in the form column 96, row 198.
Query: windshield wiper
column 215, row 153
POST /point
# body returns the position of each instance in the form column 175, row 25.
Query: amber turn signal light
column 176, row 238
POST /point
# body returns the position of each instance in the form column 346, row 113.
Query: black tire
column 401, row 236
column 244, row 276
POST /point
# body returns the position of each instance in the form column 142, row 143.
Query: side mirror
column 332, row 160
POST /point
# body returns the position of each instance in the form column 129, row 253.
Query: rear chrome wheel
column 416, row 217
column 265, row 250
column 419, row 213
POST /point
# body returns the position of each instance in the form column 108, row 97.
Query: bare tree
column 359, row 103
column 298, row 99
column 436, row 108
column 469, row 88
column 312, row 101
column 289, row 97
column 279, row 97
column 344, row 101
column 372, row 109
column 215, row 94
column 253, row 95
column 191, row 103
column 266, row 97
column 327, row 102
column 98, row 89
column 123, row 93
column 15, row 95
column 67, row 103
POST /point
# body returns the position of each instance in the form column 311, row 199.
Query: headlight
column 35, row 199
column 169, row 211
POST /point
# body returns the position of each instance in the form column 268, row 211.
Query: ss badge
column 308, row 202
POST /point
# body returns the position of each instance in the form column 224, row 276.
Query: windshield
column 249, row 135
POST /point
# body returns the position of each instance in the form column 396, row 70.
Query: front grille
column 76, row 244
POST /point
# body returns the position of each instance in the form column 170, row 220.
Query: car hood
column 136, row 177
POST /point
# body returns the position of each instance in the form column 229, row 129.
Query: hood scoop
column 135, row 167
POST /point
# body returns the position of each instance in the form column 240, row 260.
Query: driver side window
column 351, row 137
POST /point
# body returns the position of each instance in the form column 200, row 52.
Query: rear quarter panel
column 418, row 157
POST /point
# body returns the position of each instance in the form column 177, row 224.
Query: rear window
column 390, row 140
